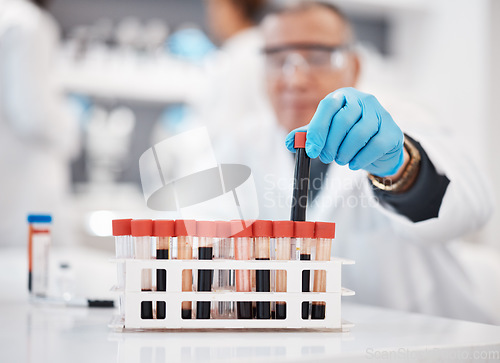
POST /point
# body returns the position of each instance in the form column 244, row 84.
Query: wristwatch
column 409, row 174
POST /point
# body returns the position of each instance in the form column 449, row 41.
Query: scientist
column 38, row 136
column 233, row 25
column 398, row 191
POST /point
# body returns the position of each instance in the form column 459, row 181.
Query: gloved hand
column 351, row 127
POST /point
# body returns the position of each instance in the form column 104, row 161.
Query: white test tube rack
column 174, row 296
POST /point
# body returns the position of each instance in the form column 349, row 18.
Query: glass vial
column 243, row 250
column 324, row 233
column 283, row 233
column 185, row 230
column 142, row 230
column 39, row 241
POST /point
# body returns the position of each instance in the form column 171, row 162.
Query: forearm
column 421, row 198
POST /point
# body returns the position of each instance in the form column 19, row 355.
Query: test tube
column 223, row 249
column 142, row 230
column 121, row 232
column 283, row 233
column 39, row 241
column 262, row 232
column 324, row 233
column 301, row 178
column 185, row 229
column 243, row 250
column 304, row 233
column 206, row 231
column 163, row 230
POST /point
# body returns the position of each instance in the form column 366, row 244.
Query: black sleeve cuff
column 423, row 200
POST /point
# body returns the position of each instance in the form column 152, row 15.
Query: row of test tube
column 237, row 239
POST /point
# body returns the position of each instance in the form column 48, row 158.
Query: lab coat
column 38, row 136
column 233, row 85
column 399, row 264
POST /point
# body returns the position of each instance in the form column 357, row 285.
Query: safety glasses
column 284, row 60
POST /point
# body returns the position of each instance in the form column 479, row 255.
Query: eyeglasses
column 309, row 57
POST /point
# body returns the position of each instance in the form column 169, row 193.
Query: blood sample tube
column 262, row 232
column 304, row 233
column 324, row 233
column 39, row 242
column 206, row 232
column 121, row 232
column 301, row 178
column 185, row 230
column 283, row 233
column 163, row 231
column 243, row 250
column 142, row 230
column 223, row 249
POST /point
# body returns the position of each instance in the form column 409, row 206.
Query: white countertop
column 50, row 334
column 43, row 334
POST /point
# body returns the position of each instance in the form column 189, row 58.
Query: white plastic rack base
column 174, row 296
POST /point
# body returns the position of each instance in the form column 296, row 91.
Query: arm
column 352, row 128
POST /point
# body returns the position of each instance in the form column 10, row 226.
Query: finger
column 320, row 123
column 290, row 138
column 388, row 165
column 341, row 124
column 381, row 148
column 359, row 135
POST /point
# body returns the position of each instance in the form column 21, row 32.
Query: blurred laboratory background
column 128, row 71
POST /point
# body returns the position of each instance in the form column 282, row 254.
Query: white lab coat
column 399, row 264
column 233, row 84
column 37, row 134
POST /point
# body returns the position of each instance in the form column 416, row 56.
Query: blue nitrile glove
column 351, row 127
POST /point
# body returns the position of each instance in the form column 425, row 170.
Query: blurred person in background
column 38, row 135
column 235, row 74
column 398, row 188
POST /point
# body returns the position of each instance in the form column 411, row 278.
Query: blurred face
column 306, row 59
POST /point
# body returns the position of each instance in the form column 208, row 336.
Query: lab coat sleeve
column 32, row 101
column 466, row 205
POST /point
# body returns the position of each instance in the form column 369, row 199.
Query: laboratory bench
column 55, row 334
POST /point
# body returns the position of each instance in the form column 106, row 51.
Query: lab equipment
column 39, row 241
column 301, row 178
column 283, row 232
column 287, row 295
column 142, row 230
column 163, row 231
column 243, row 250
column 262, row 232
column 123, row 249
column 206, row 232
column 185, row 252
column 304, row 233
column 324, row 233
column 223, row 279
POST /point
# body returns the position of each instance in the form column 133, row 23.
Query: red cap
column 304, row 229
column 300, row 140
column 121, row 227
column 223, row 229
column 324, row 230
column 163, row 228
column 185, row 227
column 206, row 229
column 262, row 228
column 141, row 227
column 240, row 228
column 283, row 228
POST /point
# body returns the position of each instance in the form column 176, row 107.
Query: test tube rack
column 174, row 296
